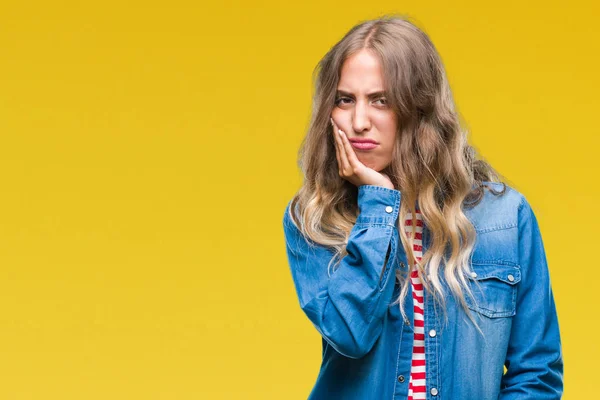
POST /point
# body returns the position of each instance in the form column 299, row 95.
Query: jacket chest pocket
column 494, row 288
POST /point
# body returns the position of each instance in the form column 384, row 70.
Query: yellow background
column 148, row 150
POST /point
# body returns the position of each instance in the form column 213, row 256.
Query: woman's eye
column 341, row 100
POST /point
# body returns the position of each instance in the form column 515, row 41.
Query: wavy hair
column 432, row 165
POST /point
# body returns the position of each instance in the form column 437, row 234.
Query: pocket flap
column 506, row 273
column 493, row 288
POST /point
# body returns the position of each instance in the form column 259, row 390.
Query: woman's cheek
column 339, row 118
column 386, row 157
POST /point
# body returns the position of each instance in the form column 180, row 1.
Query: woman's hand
column 350, row 168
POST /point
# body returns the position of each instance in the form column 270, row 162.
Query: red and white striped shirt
column 416, row 386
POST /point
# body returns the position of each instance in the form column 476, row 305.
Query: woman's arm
column 348, row 307
column 534, row 360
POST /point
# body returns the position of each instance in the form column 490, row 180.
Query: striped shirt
column 416, row 386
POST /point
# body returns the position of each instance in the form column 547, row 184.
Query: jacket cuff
column 378, row 205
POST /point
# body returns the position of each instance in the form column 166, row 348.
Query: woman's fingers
column 350, row 154
column 336, row 142
column 346, row 169
column 343, row 158
column 349, row 157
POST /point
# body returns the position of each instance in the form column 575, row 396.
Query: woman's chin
column 368, row 163
column 377, row 167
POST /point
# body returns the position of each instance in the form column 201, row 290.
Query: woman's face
column 362, row 112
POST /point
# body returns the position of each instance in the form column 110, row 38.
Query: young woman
column 424, row 274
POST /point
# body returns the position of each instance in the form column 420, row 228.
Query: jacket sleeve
column 534, row 358
column 347, row 306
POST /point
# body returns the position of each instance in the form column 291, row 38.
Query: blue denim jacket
column 367, row 346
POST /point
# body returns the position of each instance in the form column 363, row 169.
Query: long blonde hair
column 432, row 165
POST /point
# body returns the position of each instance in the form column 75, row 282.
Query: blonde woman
column 425, row 275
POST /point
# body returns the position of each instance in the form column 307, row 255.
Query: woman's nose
column 361, row 121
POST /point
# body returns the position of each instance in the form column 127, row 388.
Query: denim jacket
column 367, row 345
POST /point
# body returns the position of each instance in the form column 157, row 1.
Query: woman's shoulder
column 288, row 221
column 291, row 217
column 498, row 208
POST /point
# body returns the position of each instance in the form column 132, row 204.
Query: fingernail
column 331, row 119
column 340, row 132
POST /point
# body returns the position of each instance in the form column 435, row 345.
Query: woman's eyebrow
column 372, row 94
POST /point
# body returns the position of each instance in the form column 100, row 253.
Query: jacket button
column 432, row 333
column 401, row 378
column 433, row 391
column 511, row 278
column 402, row 264
column 473, row 274
column 389, row 209
column 406, row 322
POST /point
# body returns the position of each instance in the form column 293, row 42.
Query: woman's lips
column 363, row 145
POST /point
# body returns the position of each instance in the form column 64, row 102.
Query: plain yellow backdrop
column 148, row 150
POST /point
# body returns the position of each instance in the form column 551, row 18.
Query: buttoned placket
column 432, row 340
column 405, row 345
